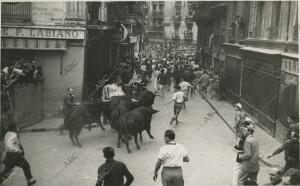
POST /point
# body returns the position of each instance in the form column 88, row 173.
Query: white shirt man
column 11, row 142
column 115, row 90
column 184, row 86
column 178, row 97
column 172, row 154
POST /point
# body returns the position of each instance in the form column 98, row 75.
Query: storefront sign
column 290, row 66
column 46, row 33
column 33, row 44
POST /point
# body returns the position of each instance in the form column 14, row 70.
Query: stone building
column 172, row 20
column 76, row 43
column 53, row 35
column 259, row 56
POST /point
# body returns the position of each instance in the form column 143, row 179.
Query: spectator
column 249, row 158
column 238, row 118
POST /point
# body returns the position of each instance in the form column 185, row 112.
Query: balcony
column 295, row 34
column 16, row 10
column 272, row 32
column 158, row 14
column 178, row 3
column 188, row 36
column 158, row 3
column 229, row 35
column 189, row 21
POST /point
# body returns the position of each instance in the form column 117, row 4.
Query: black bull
column 89, row 112
column 133, row 123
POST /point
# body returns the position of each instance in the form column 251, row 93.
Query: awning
column 33, row 44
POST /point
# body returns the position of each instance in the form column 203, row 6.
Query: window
column 76, row 10
column 260, row 12
column 154, row 7
column 276, row 13
column 160, row 7
column 16, row 10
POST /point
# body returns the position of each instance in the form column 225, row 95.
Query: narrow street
column 208, row 143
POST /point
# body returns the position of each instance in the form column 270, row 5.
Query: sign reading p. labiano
column 51, row 33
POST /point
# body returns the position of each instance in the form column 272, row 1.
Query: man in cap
column 249, row 157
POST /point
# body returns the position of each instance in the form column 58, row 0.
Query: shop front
column 260, row 83
column 232, row 72
column 59, row 52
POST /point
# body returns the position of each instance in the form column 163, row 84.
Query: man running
column 178, row 99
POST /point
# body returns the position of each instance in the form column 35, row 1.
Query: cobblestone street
column 208, row 143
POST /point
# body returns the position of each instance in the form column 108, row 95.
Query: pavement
column 267, row 143
column 201, row 130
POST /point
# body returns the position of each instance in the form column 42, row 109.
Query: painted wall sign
column 47, row 33
column 290, row 66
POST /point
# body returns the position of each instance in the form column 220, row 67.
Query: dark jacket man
column 112, row 172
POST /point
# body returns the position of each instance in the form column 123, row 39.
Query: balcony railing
column 295, row 38
column 229, row 35
column 16, row 10
column 177, row 19
column 189, row 20
column 158, row 14
column 272, row 32
column 188, row 36
column 178, row 3
column 158, row 3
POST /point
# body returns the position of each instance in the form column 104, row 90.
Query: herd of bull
column 128, row 117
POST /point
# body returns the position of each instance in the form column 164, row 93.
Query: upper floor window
column 276, row 9
column 16, row 10
column 75, row 10
column 259, row 25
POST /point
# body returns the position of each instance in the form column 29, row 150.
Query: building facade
column 52, row 34
column 259, row 57
column 172, row 20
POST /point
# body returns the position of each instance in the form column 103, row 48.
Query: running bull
column 135, row 122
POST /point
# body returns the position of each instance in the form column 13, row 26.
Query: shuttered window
column 76, row 10
column 16, row 10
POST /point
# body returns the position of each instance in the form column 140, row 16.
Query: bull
column 145, row 99
column 133, row 123
column 87, row 113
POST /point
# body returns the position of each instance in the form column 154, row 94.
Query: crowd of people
column 20, row 73
column 161, row 68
